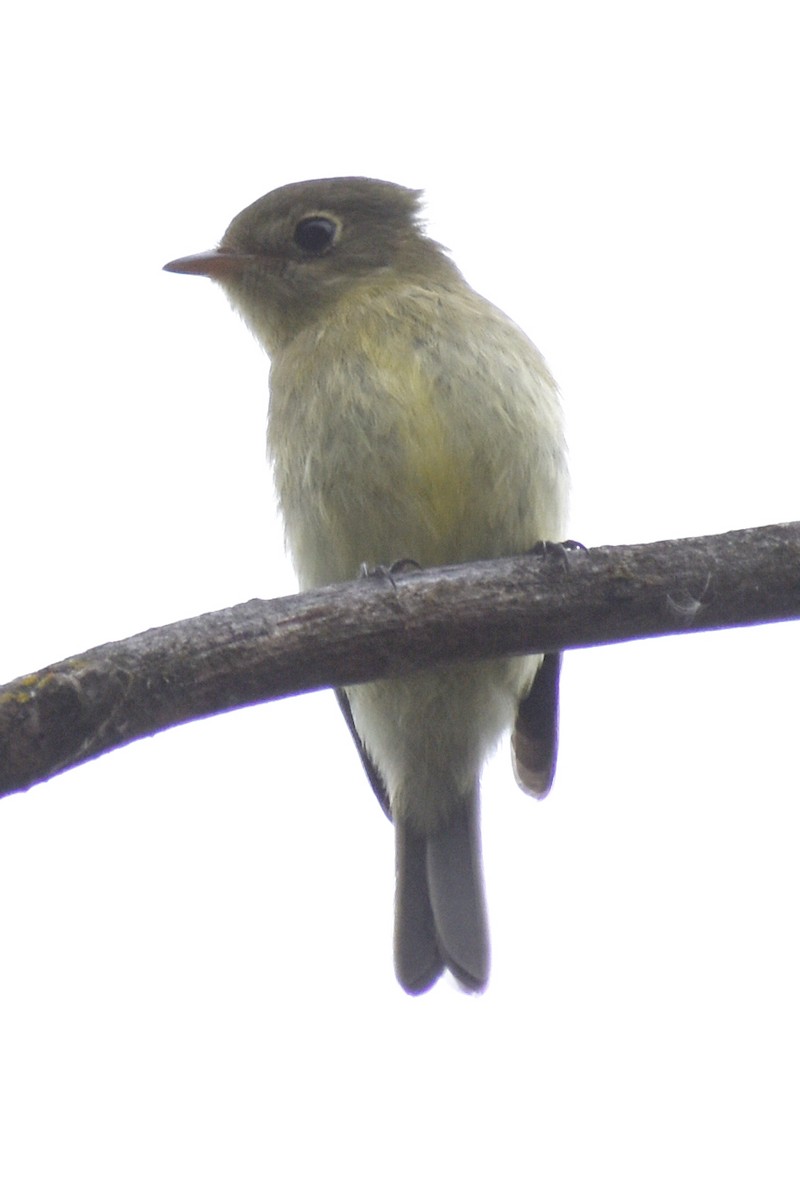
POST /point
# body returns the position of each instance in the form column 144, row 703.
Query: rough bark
column 385, row 625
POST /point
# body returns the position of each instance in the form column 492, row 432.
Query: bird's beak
column 213, row 263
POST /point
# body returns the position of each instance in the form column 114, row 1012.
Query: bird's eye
column 315, row 235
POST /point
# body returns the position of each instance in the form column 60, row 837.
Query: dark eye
column 315, row 235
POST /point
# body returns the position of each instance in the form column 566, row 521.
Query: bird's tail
column 440, row 909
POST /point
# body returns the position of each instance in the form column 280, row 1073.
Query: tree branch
column 379, row 626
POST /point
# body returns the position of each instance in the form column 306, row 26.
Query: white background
column 196, row 987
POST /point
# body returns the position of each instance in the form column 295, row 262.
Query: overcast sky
column 196, row 986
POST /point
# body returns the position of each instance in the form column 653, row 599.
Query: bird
column 409, row 421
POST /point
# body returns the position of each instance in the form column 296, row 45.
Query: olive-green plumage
column 409, row 419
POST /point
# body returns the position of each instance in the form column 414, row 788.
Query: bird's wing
column 534, row 741
column 373, row 775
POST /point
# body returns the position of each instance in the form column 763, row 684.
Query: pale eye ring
column 315, row 235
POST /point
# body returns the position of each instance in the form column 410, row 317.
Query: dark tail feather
column 440, row 917
column 417, row 961
column 455, row 880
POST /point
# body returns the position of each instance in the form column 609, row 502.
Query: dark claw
column 404, row 564
column 561, row 549
column 388, row 573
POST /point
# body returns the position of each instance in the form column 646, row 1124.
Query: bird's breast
column 393, row 441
